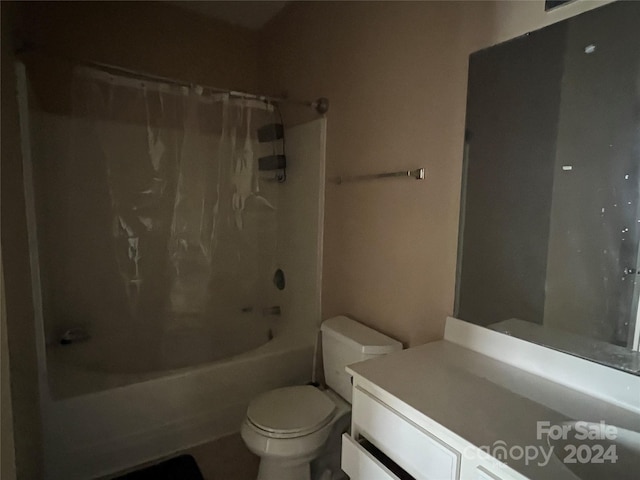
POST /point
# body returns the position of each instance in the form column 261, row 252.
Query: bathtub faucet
column 73, row 335
column 272, row 311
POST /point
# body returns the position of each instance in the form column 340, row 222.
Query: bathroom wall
column 144, row 36
column 389, row 255
column 396, row 75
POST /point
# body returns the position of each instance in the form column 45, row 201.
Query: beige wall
column 395, row 73
column 144, row 36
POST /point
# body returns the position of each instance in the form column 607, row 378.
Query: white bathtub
column 130, row 423
column 106, row 361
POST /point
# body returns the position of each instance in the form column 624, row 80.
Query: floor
column 224, row 459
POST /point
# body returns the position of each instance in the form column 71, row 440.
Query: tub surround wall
column 300, row 227
column 74, row 193
column 79, row 369
column 109, row 421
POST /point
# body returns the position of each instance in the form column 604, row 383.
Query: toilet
column 296, row 430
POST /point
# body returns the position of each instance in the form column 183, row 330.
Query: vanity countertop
column 483, row 400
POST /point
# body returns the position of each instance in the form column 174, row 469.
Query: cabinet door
column 359, row 464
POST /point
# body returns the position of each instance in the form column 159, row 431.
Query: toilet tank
column 345, row 341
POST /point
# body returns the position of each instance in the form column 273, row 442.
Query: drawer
column 483, row 474
column 360, row 464
column 418, row 452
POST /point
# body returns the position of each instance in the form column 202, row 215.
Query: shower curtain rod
column 321, row 105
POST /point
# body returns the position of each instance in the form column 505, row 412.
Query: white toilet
column 291, row 427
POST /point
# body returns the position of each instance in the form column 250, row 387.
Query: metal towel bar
column 418, row 174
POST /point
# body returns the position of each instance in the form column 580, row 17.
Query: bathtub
column 120, row 358
column 144, row 416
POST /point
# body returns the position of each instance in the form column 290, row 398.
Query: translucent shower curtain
column 165, row 223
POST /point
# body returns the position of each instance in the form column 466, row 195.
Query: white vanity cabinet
column 386, row 444
column 432, row 412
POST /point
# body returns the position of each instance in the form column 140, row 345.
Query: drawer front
column 482, row 474
column 502, row 473
column 360, row 464
column 422, row 455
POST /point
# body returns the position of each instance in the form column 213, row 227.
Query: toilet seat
column 291, row 412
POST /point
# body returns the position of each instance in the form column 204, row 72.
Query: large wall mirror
column 550, row 215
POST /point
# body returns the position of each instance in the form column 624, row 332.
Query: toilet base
column 282, row 470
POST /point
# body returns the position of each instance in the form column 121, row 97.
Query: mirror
column 550, row 212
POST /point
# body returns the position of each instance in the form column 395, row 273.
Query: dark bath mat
column 183, row 467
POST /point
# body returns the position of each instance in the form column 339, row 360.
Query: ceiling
column 248, row 14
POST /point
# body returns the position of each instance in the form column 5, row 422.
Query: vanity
column 479, row 406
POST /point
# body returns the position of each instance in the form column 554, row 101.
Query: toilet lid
column 291, row 410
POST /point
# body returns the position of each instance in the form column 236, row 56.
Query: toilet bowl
column 291, row 427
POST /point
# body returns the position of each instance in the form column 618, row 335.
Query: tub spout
column 272, row 311
column 74, row 335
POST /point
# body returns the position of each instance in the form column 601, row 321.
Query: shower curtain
column 164, row 221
